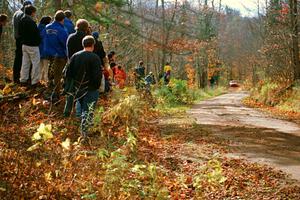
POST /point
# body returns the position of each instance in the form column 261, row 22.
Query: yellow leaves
column 43, row 132
column 48, row 176
column 66, row 144
column 7, row 89
column 34, row 147
column 38, row 164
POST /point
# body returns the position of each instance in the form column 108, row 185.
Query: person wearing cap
column 68, row 22
column 18, row 52
column 30, row 36
column 85, row 69
column 55, row 41
column 99, row 50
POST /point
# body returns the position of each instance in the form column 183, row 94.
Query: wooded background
column 201, row 39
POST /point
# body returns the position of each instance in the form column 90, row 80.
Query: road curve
column 252, row 134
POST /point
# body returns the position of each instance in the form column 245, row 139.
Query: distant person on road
column 149, row 80
column 18, row 52
column 85, row 70
column 167, row 73
column 139, row 72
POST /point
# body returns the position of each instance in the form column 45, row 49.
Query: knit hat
column 95, row 35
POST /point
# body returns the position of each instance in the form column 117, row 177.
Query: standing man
column 139, row 74
column 74, row 42
column 68, row 22
column 85, row 71
column 74, row 45
column 167, row 73
column 18, row 52
column 31, row 40
column 55, row 48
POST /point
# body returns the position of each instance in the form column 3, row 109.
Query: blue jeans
column 87, row 103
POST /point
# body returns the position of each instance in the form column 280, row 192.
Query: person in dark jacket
column 139, row 72
column 85, row 72
column 31, row 40
column 99, row 50
column 74, row 45
column 44, row 59
column 74, row 42
column 55, row 48
column 18, row 52
column 68, row 22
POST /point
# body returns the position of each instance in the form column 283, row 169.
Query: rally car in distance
column 233, row 83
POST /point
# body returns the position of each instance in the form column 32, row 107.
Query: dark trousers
column 55, row 73
column 18, row 61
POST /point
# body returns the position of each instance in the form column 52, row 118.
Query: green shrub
column 177, row 92
column 123, row 178
column 292, row 102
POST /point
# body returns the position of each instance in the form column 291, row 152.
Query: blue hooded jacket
column 69, row 25
column 41, row 28
column 55, row 40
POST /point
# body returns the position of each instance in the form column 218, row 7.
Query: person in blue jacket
column 68, row 22
column 44, row 59
column 55, row 48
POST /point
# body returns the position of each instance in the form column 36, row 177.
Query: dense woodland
column 202, row 37
column 143, row 144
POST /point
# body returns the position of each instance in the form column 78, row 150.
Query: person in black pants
column 18, row 52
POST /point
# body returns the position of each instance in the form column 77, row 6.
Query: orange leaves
column 191, row 75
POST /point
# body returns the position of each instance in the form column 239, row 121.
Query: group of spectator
column 56, row 50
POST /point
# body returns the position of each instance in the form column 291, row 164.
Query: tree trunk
column 295, row 43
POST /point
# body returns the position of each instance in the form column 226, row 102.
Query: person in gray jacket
column 18, row 52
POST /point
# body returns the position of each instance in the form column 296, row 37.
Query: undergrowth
column 281, row 96
column 178, row 96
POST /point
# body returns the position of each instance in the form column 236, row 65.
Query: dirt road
column 251, row 134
